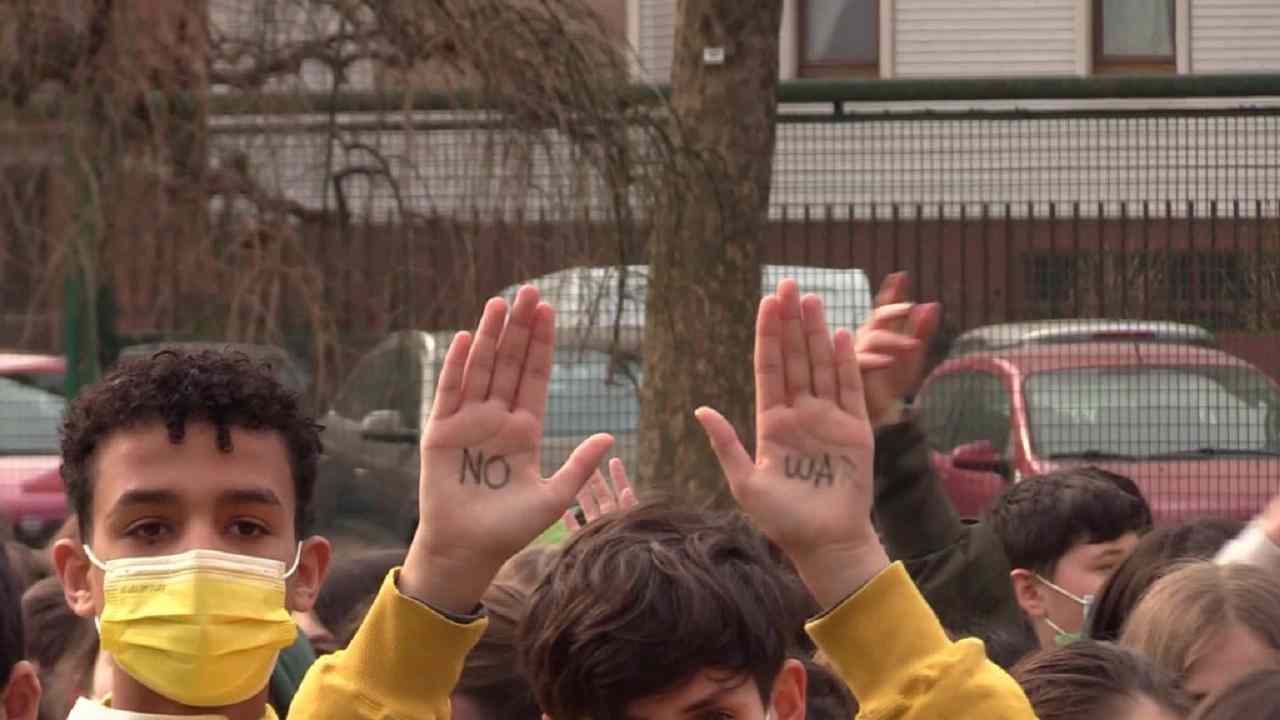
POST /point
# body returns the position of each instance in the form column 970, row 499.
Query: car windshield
column 29, row 419
column 1151, row 411
column 587, row 396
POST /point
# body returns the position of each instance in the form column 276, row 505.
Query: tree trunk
column 704, row 282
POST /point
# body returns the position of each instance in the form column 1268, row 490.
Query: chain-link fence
column 357, row 230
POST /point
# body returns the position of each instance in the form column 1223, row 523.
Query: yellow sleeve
column 889, row 648
column 403, row 663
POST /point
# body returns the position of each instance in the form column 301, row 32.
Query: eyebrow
column 707, row 702
column 249, row 496
column 134, row 498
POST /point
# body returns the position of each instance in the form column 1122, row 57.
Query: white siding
column 981, row 38
column 1235, row 36
column 657, row 39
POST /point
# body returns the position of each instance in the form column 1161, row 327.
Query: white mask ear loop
column 297, row 558
column 88, row 552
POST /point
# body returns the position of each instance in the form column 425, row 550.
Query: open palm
column 809, row 486
column 483, row 497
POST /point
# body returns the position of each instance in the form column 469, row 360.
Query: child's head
column 1253, row 698
column 19, row 688
column 1154, row 555
column 659, row 611
column 1064, row 533
column 1209, row 625
column 491, row 686
column 206, row 399
column 1090, row 679
column 172, row 457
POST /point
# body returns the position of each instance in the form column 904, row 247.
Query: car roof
column 1062, row 331
column 18, row 362
column 1031, row 359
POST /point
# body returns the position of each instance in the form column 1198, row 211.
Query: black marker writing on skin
column 817, row 469
column 493, row 472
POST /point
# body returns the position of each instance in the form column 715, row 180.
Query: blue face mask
column 1062, row 637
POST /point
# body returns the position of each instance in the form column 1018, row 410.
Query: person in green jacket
column 1021, row 578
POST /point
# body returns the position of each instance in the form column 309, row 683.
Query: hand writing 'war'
column 817, row 469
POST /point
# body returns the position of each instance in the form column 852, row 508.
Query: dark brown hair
column 1088, row 679
column 1041, row 518
column 174, row 388
column 491, row 676
column 352, row 583
column 639, row 603
column 1256, row 697
column 1152, row 558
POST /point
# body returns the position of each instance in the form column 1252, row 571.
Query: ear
column 1028, row 592
column 22, row 694
column 313, row 568
column 789, row 690
column 74, row 570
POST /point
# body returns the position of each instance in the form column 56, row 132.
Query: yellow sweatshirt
column 884, row 640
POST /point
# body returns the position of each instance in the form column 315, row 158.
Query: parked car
column 1005, row 336
column 32, row 499
column 369, row 471
column 1197, row 428
column 591, row 313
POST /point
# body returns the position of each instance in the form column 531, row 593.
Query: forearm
column 912, row 511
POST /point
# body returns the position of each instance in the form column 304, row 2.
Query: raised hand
column 482, row 497
column 598, row 498
column 897, row 335
column 809, row 488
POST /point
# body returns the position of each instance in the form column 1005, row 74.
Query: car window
column 29, row 419
column 1151, row 410
column 388, row 379
column 983, row 412
column 590, row 394
column 937, row 406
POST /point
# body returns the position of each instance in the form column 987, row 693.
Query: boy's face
column 718, row 696
column 154, row 497
column 1083, row 570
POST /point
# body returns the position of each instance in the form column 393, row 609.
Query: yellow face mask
column 202, row 628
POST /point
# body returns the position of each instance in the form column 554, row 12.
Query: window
column 984, row 413
column 839, row 38
column 1133, row 36
column 389, row 379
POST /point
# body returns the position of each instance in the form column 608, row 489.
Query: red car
column 31, row 407
column 1197, row 428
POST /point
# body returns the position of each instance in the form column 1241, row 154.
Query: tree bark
column 704, row 280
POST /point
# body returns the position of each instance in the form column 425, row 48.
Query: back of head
column 1090, row 679
column 1161, row 549
column 491, row 680
column 1186, row 607
column 640, row 602
column 353, row 581
column 1039, row 519
column 1256, row 697
column 12, row 638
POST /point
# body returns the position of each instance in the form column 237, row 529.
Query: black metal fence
column 1009, row 202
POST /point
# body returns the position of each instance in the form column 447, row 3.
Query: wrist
column 451, row 582
column 834, row 572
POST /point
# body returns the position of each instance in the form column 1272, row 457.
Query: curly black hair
column 224, row 388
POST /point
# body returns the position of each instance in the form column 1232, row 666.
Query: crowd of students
column 844, row 584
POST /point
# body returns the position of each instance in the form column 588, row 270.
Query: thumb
column 578, row 469
column 734, row 460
